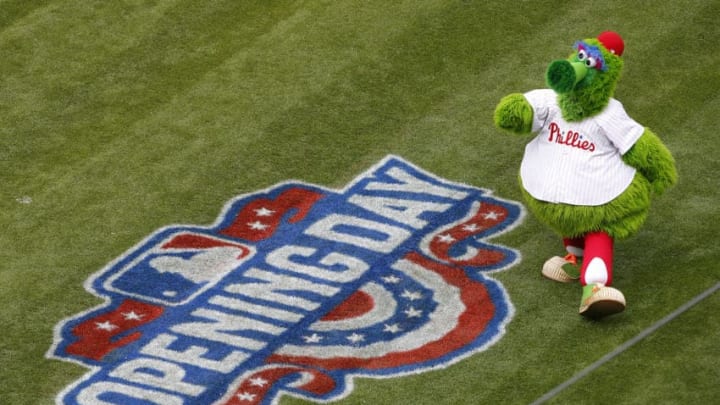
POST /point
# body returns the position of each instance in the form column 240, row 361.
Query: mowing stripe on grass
column 642, row 335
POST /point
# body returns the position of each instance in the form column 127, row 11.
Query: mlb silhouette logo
column 185, row 263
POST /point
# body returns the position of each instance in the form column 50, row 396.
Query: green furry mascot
column 590, row 170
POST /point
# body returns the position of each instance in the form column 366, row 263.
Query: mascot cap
column 612, row 41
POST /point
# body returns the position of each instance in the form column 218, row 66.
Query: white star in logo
column 412, row 296
column 314, row 338
column 394, row 328
column 258, row 226
column 258, row 382
column 107, row 326
column 356, row 337
column 492, row 215
column 132, row 316
column 245, row 396
column 391, row 279
column 413, row 313
column 446, row 238
column 263, row 212
column 471, row 228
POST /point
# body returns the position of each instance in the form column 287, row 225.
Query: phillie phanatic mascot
column 590, row 170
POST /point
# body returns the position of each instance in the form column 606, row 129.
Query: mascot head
column 586, row 80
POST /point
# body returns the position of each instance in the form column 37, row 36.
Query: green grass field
column 118, row 118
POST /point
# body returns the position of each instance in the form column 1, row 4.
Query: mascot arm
column 514, row 114
column 653, row 160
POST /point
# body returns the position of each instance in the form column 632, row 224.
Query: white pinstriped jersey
column 577, row 163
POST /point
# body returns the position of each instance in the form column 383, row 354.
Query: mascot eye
column 590, row 62
column 582, row 55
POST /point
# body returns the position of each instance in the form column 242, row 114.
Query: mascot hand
column 514, row 114
column 653, row 160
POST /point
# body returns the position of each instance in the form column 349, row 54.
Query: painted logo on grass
column 296, row 290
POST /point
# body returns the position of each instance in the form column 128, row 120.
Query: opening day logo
column 296, row 290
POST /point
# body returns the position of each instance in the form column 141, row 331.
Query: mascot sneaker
column 599, row 301
column 562, row 269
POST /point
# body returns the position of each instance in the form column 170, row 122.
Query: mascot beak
column 562, row 75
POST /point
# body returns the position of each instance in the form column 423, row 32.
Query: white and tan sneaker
column 562, row 269
column 599, row 301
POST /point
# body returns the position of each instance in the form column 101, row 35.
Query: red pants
column 596, row 248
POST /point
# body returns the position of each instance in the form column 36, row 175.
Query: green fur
column 560, row 76
column 653, row 159
column 620, row 218
column 514, row 114
column 592, row 94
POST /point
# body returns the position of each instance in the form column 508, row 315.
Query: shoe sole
column 606, row 301
column 553, row 270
